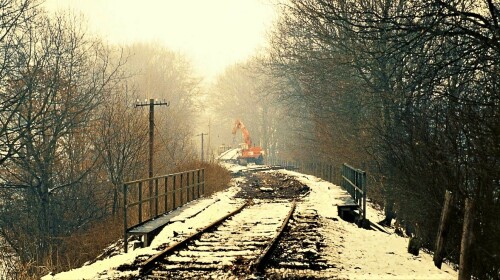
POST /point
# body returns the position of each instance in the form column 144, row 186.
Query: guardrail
column 354, row 181
column 324, row 170
column 147, row 199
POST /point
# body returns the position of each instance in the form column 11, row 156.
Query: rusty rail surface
column 149, row 263
column 152, row 267
column 259, row 263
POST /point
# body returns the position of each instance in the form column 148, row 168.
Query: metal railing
column 147, row 199
column 354, row 181
column 324, row 170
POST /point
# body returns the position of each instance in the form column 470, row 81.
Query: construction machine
column 249, row 153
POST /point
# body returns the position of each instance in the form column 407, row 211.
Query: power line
column 152, row 103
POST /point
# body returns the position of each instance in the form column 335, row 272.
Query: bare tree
column 428, row 100
column 158, row 73
column 14, row 15
column 121, row 139
column 61, row 75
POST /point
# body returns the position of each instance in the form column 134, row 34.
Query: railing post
column 180, row 189
column 165, row 197
column 140, row 202
column 173, row 191
column 364, row 194
column 198, row 179
column 156, row 197
column 357, row 184
column 187, row 187
column 203, row 180
column 125, row 237
column 192, row 186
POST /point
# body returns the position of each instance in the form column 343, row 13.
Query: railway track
column 237, row 244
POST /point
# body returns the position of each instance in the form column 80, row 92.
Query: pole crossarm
column 150, row 102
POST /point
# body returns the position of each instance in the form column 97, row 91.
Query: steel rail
column 148, row 265
column 258, row 264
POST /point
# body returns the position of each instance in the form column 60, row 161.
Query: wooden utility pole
column 152, row 103
column 209, row 147
column 443, row 229
column 464, row 272
column 202, row 152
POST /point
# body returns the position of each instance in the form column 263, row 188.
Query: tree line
column 69, row 132
column 406, row 90
column 409, row 91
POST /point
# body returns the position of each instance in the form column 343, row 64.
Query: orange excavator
column 249, row 153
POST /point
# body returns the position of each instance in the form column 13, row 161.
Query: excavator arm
column 246, row 135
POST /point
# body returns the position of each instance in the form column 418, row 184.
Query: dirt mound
column 265, row 185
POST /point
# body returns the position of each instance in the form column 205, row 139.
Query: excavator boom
column 246, row 135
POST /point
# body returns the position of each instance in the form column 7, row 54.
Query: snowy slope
column 366, row 254
column 231, row 154
column 356, row 253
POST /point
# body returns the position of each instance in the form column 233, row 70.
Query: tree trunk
column 44, row 224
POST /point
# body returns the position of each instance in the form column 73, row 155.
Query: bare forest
column 409, row 91
column 71, row 134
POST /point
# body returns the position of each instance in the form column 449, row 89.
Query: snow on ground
column 355, row 252
column 231, row 154
column 365, row 254
column 219, row 205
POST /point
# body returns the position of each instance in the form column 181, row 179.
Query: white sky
column 212, row 33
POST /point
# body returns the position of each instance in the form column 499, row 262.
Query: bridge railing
column 147, row 199
column 354, row 181
column 324, row 170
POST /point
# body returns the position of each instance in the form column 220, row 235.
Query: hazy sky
column 213, row 33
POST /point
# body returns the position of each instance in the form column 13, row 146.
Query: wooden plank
column 150, row 225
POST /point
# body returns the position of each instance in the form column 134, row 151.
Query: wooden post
column 443, row 229
column 414, row 246
column 464, row 272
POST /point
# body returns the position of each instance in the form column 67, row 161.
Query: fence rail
column 354, row 181
column 326, row 171
column 147, row 199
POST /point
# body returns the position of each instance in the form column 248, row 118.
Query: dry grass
column 216, row 177
column 85, row 245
